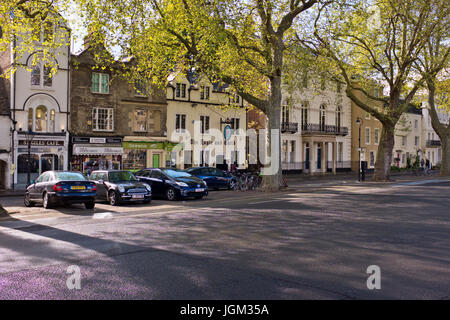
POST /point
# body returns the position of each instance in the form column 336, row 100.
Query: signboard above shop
column 97, row 140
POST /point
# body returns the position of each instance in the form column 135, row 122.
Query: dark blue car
column 214, row 178
column 173, row 184
column 61, row 187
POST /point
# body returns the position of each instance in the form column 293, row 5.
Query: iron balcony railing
column 291, row 127
column 312, row 128
column 433, row 143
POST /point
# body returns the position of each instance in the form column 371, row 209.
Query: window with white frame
column 180, row 123
column 41, row 119
column 100, row 83
column 235, row 122
column 204, row 123
column 304, row 115
column 285, row 112
column 338, row 119
column 367, row 116
column 183, row 90
column 102, row 119
column 403, row 141
column 367, row 136
column 416, row 141
column 376, row 135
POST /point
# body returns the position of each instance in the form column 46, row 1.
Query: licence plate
column 199, row 190
column 137, row 196
column 78, row 188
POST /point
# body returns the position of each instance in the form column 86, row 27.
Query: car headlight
column 148, row 188
column 121, row 189
column 182, row 184
column 204, row 182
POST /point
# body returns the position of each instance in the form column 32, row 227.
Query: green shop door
column 155, row 160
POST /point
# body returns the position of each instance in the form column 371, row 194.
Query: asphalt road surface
column 306, row 243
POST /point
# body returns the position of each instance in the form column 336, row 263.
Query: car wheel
column 171, row 194
column 27, row 201
column 113, row 199
column 89, row 204
column 46, row 201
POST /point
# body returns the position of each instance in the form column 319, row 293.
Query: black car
column 214, row 178
column 173, row 184
column 117, row 186
column 60, row 187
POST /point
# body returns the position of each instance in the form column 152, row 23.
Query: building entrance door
column 155, row 160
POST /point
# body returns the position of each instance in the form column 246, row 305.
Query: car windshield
column 121, row 176
column 69, row 176
column 173, row 173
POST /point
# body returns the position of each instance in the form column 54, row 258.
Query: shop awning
column 97, row 150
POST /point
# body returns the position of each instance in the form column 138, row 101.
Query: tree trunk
column 445, row 163
column 384, row 154
column 441, row 130
column 271, row 181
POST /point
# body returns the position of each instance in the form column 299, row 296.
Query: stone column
column 324, row 157
column 334, row 155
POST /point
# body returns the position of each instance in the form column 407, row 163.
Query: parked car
column 173, row 184
column 214, row 178
column 60, row 187
column 117, row 186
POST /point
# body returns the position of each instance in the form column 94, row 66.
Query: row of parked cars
column 53, row 188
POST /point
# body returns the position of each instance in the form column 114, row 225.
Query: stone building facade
column 113, row 124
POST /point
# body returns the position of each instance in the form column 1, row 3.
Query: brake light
column 57, row 187
column 94, row 187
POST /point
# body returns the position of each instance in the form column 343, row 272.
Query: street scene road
column 311, row 241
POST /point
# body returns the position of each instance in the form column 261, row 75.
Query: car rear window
column 69, row 176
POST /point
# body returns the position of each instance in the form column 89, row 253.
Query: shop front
column 96, row 153
column 145, row 154
column 45, row 152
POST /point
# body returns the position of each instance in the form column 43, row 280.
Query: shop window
column 135, row 159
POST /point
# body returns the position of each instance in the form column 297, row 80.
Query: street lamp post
column 29, row 136
column 358, row 122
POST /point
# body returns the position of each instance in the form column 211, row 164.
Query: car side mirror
column 32, row 182
column 101, row 181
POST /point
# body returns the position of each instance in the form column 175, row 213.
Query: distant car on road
column 117, row 186
column 173, row 184
column 214, row 178
column 60, row 187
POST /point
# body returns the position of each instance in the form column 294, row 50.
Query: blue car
column 214, row 178
column 60, row 187
column 173, row 184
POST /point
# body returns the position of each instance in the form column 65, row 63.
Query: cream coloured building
column 316, row 128
column 39, row 105
column 431, row 144
column 207, row 123
column 408, row 140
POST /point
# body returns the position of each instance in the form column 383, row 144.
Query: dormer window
column 204, row 93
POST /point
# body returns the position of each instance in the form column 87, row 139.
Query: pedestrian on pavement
column 428, row 166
